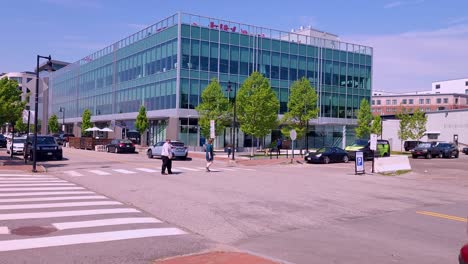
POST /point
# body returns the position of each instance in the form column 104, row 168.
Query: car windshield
column 45, row 140
column 322, row 150
column 444, row 145
column 2, row 136
column 177, row 144
column 359, row 142
column 19, row 140
column 424, row 145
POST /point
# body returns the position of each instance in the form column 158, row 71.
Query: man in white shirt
column 166, row 155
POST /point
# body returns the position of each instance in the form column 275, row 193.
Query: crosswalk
column 178, row 169
column 73, row 214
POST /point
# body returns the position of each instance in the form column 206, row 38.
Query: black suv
column 47, row 148
column 465, row 150
column 447, row 150
column 3, row 141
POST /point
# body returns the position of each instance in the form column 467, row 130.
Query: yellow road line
column 450, row 217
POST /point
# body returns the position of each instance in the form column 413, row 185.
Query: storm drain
column 33, row 230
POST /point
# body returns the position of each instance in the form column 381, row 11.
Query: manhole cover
column 33, row 230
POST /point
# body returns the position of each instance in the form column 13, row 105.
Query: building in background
column 393, row 104
column 450, row 86
column 167, row 65
column 26, row 83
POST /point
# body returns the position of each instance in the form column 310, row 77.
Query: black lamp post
column 62, row 110
column 36, row 103
column 234, row 118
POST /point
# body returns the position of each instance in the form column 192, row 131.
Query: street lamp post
column 36, row 105
column 234, row 117
column 62, row 110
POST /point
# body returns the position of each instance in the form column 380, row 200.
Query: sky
column 416, row 42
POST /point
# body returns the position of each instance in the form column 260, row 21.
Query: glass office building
column 167, row 65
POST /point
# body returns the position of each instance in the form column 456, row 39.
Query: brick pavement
column 217, row 258
column 16, row 164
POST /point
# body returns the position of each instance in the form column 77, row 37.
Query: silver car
column 18, row 145
column 179, row 150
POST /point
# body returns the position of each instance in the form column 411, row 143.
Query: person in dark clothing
column 209, row 154
column 279, row 144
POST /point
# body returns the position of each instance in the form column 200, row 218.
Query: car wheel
column 59, row 157
column 415, row 156
column 428, row 156
column 456, row 155
column 326, row 160
column 150, row 154
column 107, row 149
column 345, row 159
column 440, row 155
column 116, row 150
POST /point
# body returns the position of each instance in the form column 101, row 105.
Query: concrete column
column 173, row 128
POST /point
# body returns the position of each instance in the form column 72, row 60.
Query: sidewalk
column 217, row 258
column 16, row 164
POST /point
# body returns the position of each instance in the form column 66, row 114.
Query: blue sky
column 415, row 41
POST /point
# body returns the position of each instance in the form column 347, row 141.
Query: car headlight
column 319, row 155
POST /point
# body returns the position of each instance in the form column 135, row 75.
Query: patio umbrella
column 92, row 129
column 106, row 129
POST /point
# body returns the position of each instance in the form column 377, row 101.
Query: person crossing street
column 166, row 156
column 209, row 154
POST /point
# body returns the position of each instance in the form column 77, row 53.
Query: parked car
column 425, row 149
column 18, row 145
column 447, row 150
column 120, row 145
column 411, row 144
column 3, row 141
column 327, row 155
column 383, row 149
column 46, row 148
column 58, row 139
column 463, row 257
column 465, row 150
column 179, row 150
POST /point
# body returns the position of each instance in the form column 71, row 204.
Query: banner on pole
column 212, row 129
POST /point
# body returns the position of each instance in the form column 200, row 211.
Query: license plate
column 49, row 153
column 309, row 158
column 128, row 146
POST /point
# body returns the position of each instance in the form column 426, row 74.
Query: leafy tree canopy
column 364, row 119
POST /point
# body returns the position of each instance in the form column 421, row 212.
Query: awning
column 432, row 132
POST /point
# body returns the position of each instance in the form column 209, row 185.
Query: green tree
column 86, row 123
column 302, row 106
column 20, row 126
column 404, row 132
column 364, row 119
column 417, row 126
column 11, row 106
column 141, row 122
column 213, row 106
column 377, row 126
column 257, row 106
column 53, row 124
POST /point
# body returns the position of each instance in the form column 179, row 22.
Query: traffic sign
column 293, row 134
column 373, row 142
column 359, row 164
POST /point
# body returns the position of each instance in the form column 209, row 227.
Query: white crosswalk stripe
column 74, row 173
column 124, row 171
column 27, row 178
column 53, row 203
column 99, row 172
column 146, row 170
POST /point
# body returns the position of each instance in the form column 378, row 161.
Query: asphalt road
column 303, row 213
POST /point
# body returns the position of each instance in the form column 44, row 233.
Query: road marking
column 146, row 170
column 41, row 189
column 189, row 169
column 24, row 175
column 66, row 213
column 30, row 181
column 4, row 230
column 73, row 173
column 44, row 193
column 17, row 200
column 54, row 241
column 57, row 205
column 450, row 217
column 105, row 222
column 34, row 184
column 124, row 171
column 98, row 172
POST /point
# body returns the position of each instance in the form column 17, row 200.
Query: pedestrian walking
column 279, row 144
column 229, row 150
column 166, row 155
column 209, row 154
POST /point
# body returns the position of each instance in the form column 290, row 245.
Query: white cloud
column 402, row 3
column 411, row 61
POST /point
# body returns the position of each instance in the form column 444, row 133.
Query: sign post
column 293, row 135
column 212, row 129
column 373, row 147
column 359, row 163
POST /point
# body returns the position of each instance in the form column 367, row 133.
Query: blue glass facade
column 167, row 65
